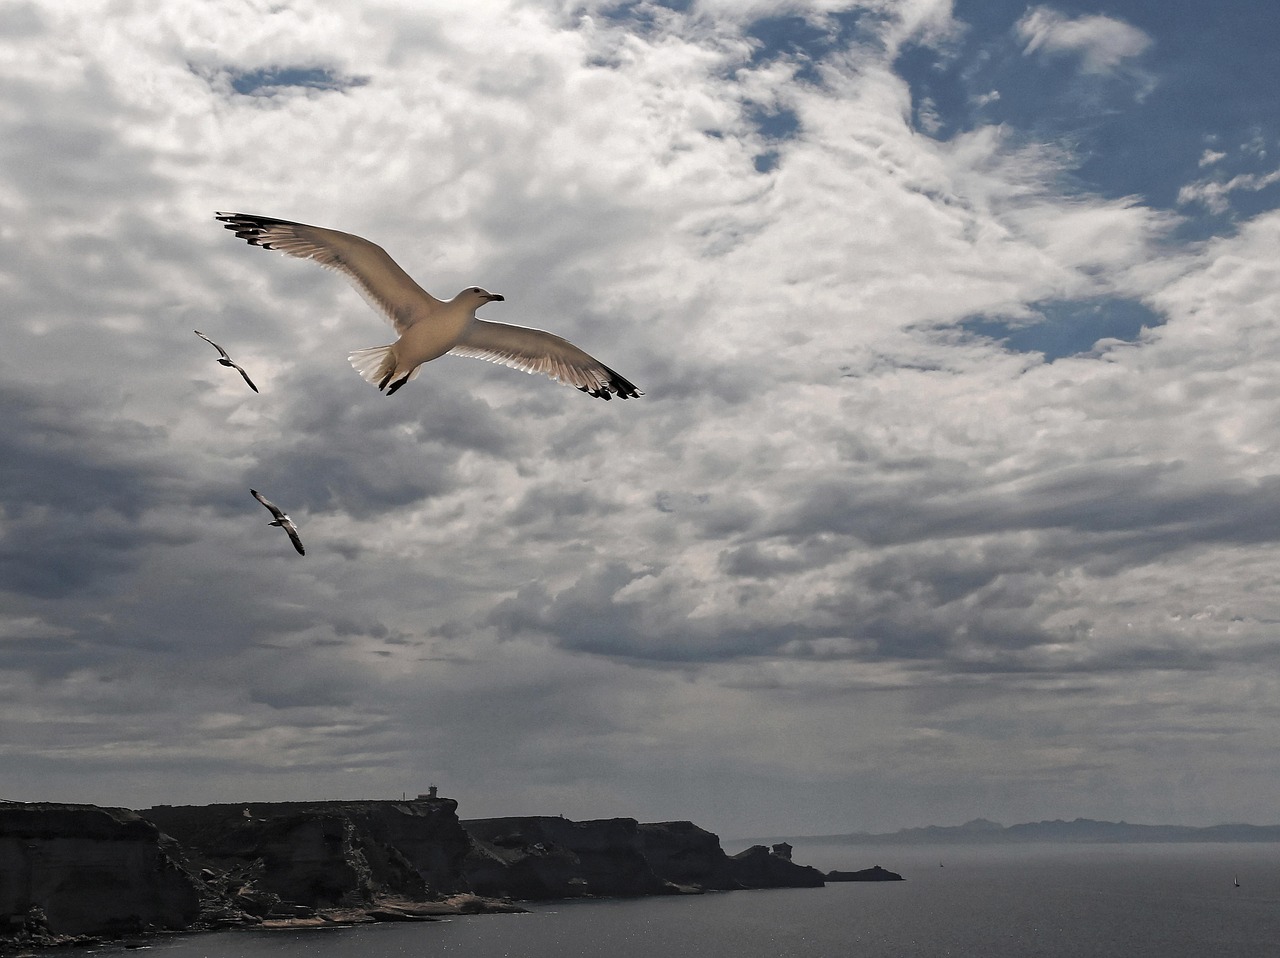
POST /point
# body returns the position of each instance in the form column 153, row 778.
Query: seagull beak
column 497, row 296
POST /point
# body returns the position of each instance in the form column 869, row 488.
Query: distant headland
column 80, row 873
column 981, row 831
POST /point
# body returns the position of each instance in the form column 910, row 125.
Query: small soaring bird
column 282, row 520
column 226, row 360
column 428, row 327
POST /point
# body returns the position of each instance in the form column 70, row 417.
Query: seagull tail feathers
column 375, row 364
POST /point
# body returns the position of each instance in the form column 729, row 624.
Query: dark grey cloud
column 43, row 658
column 343, row 446
column 1157, row 500
column 765, row 559
column 543, row 509
column 74, row 483
column 592, row 616
column 288, row 690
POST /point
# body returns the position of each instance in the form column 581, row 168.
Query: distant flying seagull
column 282, row 520
column 428, row 327
column 226, row 360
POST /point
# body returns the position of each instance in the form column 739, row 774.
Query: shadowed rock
column 76, row 870
column 541, row 858
column 758, row 867
column 874, row 873
column 277, row 856
column 544, row 857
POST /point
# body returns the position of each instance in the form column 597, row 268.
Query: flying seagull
column 428, row 327
column 282, row 520
column 226, row 360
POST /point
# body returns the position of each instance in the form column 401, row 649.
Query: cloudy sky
column 955, row 490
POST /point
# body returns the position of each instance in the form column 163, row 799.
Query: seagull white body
column 282, row 520
column 226, row 360
column 428, row 327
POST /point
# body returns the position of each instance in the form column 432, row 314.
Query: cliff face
column 542, row 858
column 279, row 856
column 687, row 856
column 83, row 870
column 758, row 867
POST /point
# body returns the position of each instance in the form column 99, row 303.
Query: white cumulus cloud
column 1103, row 43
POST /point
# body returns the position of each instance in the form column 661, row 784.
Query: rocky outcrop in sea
column 874, row 873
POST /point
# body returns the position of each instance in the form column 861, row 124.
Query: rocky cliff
column 74, row 870
column 79, row 870
column 687, row 856
column 541, row 858
column 758, row 867
column 278, row 858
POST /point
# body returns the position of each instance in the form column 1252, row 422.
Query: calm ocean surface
column 1081, row 901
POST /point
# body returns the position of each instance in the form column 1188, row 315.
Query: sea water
column 1047, row 901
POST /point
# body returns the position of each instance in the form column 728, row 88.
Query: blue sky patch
column 774, row 125
column 1139, row 128
column 642, row 15
column 1067, row 327
column 767, row 161
column 790, row 36
column 270, row 80
column 806, row 41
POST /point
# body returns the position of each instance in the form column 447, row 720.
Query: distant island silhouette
column 982, row 831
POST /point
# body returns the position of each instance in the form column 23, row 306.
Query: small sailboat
column 1236, row 881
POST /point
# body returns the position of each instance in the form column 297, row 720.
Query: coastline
column 395, row 909
column 82, row 874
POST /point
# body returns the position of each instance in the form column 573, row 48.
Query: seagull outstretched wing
column 226, row 360
column 282, row 520
column 537, row 351
column 374, row 274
